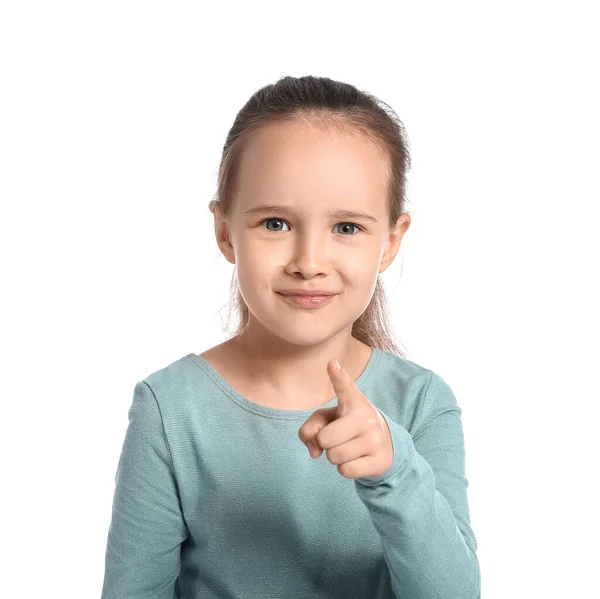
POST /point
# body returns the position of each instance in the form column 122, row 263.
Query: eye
column 272, row 218
column 282, row 221
column 351, row 225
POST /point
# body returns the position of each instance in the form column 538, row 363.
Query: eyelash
column 340, row 223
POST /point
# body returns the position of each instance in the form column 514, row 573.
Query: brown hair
column 332, row 105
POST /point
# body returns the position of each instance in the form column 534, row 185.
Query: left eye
column 350, row 225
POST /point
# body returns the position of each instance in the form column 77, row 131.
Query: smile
column 307, row 301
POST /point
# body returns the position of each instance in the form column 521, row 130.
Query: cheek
column 362, row 282
column 255, row 280
column 361, row 269
column 255, row 255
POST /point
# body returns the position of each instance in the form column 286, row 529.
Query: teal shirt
column 216, row 497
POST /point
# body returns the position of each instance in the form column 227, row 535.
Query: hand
column 354, row 434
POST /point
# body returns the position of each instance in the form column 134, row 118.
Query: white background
column 112, row 120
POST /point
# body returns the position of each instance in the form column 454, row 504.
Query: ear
column 393, row 244
column 222, row 232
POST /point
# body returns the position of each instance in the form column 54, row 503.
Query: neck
column 294, row 372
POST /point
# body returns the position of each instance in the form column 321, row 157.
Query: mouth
column 307, row 301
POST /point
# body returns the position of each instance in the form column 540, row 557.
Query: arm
column 147, row 527
column 419, row 506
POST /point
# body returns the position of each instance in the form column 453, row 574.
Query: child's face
column 310, row 172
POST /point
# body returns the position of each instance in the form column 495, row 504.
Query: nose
column 309, row 254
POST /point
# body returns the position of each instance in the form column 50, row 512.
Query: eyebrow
column 269, row 208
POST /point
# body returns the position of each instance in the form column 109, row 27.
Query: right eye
column 273, row 219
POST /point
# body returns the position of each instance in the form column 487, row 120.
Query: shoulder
column 178, row 383
column 408, row 391
column 398, row 370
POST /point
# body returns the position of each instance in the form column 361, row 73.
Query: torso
column 221, row 359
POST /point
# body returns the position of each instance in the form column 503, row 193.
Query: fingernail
column 338, row 365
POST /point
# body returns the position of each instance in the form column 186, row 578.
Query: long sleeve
column 419, row 506
column 147, row 527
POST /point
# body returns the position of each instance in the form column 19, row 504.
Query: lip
column 305, row 301
column 308, row 292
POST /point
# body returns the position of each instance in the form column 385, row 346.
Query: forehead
column 300, row 161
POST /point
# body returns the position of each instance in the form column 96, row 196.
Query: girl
column 220, row 492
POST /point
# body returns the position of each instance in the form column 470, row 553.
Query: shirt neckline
column 268, row 411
